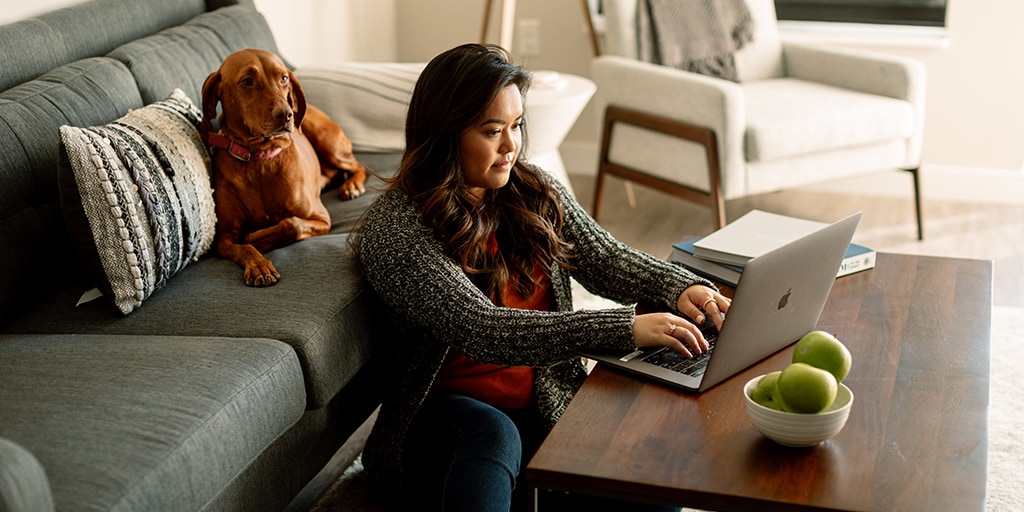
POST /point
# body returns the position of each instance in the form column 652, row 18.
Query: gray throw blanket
column 694, row 35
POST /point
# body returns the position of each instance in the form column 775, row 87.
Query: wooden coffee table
column 919, row 331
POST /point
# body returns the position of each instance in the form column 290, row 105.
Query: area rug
column 1006, row 412
column 348, row 493
column 1005, row 491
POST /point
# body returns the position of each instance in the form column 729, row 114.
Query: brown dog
column 272, row 157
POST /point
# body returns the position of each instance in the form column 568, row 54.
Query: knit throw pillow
column 144, row 185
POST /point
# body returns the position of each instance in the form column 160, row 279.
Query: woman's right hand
column 668, row 330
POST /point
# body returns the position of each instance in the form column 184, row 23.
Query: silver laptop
column 778, row 299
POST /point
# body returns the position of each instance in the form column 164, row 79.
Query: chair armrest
column 670, row 92
column 23, row 483
column 677, row 95
column 870, row 72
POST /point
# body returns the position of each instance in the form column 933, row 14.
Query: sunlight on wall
column 325, row 32
column 13, row 10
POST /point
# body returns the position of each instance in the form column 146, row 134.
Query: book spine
column 856, row 263
column 720, row 274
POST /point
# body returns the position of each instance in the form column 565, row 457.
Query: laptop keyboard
column 693, row 366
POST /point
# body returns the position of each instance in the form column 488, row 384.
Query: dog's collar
column 239, row 151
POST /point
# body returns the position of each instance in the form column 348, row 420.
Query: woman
column 472, row 250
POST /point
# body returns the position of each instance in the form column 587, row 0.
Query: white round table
column 553, row 103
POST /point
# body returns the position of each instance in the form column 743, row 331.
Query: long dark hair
column 525, row 215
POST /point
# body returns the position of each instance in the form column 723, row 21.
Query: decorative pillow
column 369, row 100
column 144, row 184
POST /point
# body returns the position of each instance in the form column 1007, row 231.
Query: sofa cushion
column 182, row 57
column 319, row 307
column 144, row 187
column 23, row 482
column 368, row 100
column 28, row 52
column 345, row 213
column 33, row 46
column 145, row 423
column 35, row 251
column 788, row 117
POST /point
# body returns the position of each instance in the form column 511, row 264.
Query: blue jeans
column 467, row 455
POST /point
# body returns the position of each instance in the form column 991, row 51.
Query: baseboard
column 939, row 182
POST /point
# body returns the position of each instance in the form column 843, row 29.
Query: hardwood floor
column 954, row 229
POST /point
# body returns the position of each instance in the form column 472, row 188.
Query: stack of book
column 722, row 254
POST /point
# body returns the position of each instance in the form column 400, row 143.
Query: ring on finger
column 672, row 328
column 709, row 301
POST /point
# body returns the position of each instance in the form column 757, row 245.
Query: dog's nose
column 284, row 115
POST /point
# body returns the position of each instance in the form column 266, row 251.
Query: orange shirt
column 506, row 387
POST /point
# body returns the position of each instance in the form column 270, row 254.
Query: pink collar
column 243, row 153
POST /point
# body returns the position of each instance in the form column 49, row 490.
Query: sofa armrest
column 870, row 72
column 23, row 483
column 368, row 100
column 677, row 95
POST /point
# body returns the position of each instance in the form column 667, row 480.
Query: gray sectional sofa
column 210, row 395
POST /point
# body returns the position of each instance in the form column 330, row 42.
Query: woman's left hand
column 698, row 300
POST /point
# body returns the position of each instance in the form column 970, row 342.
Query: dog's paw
column 261, row 275
column 351, row 191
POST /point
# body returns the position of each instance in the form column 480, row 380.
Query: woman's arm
column 611, row 269
column 408, row 268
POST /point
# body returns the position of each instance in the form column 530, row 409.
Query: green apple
column 822, row 350
column 806, row 389
column 766, row 391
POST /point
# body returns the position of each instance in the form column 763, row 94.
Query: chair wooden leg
column 487, row 18
column 598, row 189
column 713, row 198
column 916, row 174
column 718, row 211
column 630, row 194
column 602, row 163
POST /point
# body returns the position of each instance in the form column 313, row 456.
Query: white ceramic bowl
column 794, row 429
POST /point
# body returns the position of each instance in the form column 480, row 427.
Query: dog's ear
column 211, row 97
column 298, row 99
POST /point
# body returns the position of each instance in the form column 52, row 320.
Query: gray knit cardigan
column 434, row 306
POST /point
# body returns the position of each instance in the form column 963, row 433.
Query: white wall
column 13, row 10
column 976, row 88
column 974, row 121
column 308, row 32
column 426, row 28
column 324, row 32
column 975, row 114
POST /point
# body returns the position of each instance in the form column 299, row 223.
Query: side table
column 553, row 104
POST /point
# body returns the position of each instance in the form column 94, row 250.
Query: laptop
column 778, row 299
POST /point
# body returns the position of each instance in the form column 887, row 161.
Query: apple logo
column 785, row 299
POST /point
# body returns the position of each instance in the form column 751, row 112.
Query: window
column 922, row 13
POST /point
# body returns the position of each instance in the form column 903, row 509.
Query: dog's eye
column 246, row 81
column 284, row 79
